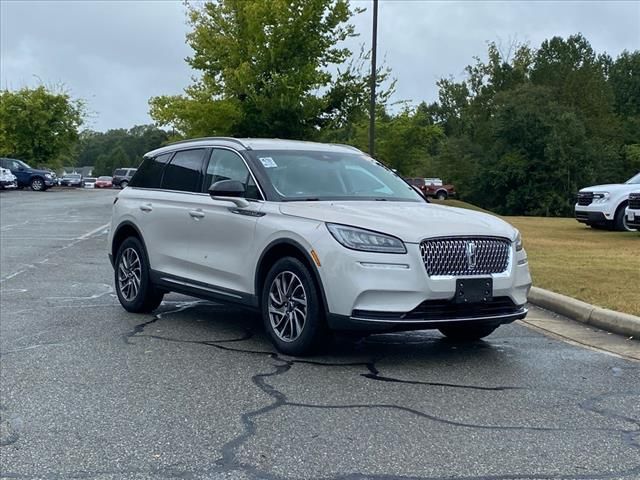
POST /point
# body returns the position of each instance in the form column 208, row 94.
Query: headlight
column 365, row 240
column 600, row 197
column 47, row 175
column 518, row 242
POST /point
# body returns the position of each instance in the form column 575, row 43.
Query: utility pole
column 372, row 104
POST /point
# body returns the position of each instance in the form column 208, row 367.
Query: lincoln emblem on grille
column 471, row 255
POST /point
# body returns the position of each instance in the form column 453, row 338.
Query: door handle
column 197, row 214
column 146, row 207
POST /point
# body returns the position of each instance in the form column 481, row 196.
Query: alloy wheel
column 36, row 184
column 129, row 274
column 287, row 306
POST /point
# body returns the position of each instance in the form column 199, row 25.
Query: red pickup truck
column 433, row 187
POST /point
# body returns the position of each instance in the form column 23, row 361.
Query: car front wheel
column 124, row 184
column 292, row 309
column 37, row 184
column 133, row 286
column 620, row 221
column 467, row 333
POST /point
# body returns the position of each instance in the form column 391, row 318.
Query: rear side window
column 184, row 173
column 149, row 174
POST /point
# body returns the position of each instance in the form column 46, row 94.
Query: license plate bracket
column 474, row 290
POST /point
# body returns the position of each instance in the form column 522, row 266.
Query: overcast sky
column 117, row 54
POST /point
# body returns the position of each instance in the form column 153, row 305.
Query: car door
column 220, row 247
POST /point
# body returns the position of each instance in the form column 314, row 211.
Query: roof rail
column 227, row 139
column 351, row 147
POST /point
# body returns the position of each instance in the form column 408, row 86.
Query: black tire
column 467, row 333
column 124, row 184
column 313, row 332
column 620, row 220
column 147, row 298
column 37, row 184
column 441, row 195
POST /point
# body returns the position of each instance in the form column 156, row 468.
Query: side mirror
column 230, row 191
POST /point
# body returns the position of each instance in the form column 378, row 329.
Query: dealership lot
column 196, row 391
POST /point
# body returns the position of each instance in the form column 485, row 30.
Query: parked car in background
column 632, row 212
column 122, row 177
column 71, row 180
column 89, row 182
column 104, row 182
column 433, row 187
column 316, row 237
column 7, row 179
column 604, row 205
column 37, row 179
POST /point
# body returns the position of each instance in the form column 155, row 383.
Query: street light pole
column 372, row 104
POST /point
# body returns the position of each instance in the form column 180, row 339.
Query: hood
column 409, row 221
column 612, row 187
column 40, row 171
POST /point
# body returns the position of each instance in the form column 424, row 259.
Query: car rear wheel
column 37, row 184
column 133, row 285
column 467, row 333
column 292, row 309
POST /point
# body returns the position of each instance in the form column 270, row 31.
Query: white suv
column 317, row 237
column 633, row 210
column 604, row 205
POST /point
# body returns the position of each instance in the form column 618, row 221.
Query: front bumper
column 382, row 291
column 8, row 184
column 633, row 218
column 593, row 214
column 50, row 182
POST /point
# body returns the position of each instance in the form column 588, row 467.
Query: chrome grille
column 634, row 201
column 465, row 255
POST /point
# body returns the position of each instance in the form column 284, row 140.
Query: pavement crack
column 382, row 378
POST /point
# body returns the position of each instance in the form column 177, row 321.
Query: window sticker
column 268, row 162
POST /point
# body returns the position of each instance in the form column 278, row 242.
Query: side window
column 226, row 165
column 150, row 172
column 184, row 171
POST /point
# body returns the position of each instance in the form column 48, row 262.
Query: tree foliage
column 118, row 148
column 268, row 69
column 525, row 131
column 39, row 126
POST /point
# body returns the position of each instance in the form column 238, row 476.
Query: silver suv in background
column 122, row 177
column 316, row 237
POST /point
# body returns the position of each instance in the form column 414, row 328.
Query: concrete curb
column 610, row 320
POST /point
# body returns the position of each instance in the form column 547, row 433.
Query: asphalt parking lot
column 195, row 391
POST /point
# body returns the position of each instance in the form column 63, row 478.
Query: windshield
column 104, row 178
column 635, row 180
column 311, row 175
column 73, row 175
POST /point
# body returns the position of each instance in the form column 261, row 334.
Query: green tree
column 264, row 70
column 135, row 142
column 106, row 163
column 39, row 126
